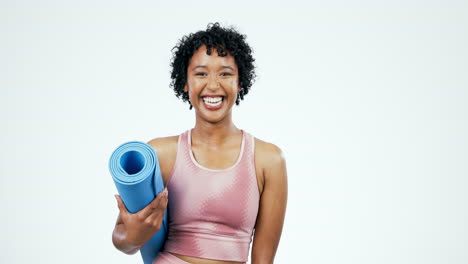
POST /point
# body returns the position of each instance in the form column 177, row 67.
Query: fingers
column 156, row 216
column 123, row 210
column 158, row 203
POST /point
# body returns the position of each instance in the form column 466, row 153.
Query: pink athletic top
column 212, row 213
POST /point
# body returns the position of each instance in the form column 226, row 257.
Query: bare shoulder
column 270, row 165
column 166, row 149
column 164, row 143
column 268, row 153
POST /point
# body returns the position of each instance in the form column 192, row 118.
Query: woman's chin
column 212, row 114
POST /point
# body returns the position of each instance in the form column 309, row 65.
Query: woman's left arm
column 272, row 208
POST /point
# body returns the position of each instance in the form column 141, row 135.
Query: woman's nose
column 213, row 82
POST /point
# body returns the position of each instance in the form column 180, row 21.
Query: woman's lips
column 213, row 102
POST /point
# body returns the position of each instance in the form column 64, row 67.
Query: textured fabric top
column 212, row 213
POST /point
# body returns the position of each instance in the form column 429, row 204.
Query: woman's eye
column 226, row 74
column 200, row 74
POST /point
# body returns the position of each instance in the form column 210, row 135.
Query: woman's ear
column 185, row 88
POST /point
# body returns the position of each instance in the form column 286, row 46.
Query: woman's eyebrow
column 204, row 66
column 228, row 67
column 199, row 66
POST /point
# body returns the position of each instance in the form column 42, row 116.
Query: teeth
column 213, row 101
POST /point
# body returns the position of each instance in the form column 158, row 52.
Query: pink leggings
column 168, row 258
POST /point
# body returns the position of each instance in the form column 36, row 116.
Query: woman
column 223, row 186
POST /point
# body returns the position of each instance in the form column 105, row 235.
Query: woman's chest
column 229, row 198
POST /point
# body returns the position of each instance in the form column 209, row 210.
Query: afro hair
column 225, row 41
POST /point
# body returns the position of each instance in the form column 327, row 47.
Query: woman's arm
column 272, row 204
column 118, row 238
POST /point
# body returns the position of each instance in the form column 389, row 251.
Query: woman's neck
column 214, row 134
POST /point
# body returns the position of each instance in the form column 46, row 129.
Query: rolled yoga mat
column 135, row 169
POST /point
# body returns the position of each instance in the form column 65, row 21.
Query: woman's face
column 212, row 84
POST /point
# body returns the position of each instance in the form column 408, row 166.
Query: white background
column 367, row 99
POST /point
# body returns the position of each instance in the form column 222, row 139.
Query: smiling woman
column 223, row 186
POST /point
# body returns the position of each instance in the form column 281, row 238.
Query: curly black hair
column 225, row 41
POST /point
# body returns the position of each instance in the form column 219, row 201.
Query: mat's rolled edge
column 144, row 155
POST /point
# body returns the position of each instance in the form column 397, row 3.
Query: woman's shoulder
column 165, row 146
column 163, row 142
column 268, row 153
column 166, row 149
column 270, row 164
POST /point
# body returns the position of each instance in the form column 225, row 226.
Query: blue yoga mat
column 135, row 169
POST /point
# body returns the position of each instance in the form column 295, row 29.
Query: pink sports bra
column 212, row 213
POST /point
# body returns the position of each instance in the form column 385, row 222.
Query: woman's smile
column 213, row 102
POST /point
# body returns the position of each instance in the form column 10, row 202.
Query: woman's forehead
column 200, row 57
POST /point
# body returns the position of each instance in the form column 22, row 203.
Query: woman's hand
column 141, row 226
